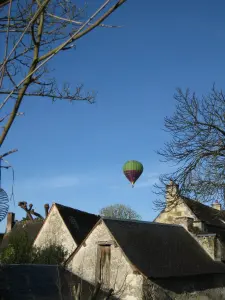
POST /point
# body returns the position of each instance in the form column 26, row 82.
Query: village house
column 65, row 226
column 178, row 256
column 206, row 224
column 62, row 225
column 147, row 260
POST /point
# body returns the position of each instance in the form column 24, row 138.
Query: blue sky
column 73, row 153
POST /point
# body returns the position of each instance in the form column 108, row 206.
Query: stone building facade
column 122, row 276
column 206, row 224
column 146, row 260
column 66, row 227
column 54, row 231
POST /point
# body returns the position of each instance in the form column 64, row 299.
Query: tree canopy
column 119, row 211
column 197, row 146
column 20, row 250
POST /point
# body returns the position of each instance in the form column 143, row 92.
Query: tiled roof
column 206, row 213
column 30, row 227
column 162, row 250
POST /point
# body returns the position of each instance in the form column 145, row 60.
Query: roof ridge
column 140, row 221
column 206, row 213
column 200, row 203
column 83, row 211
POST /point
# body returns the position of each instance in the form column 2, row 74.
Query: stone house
column 147, row 260
column 65, row 226
column 206, row 224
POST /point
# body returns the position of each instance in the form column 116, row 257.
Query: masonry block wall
column 124, row 281
column 55, row 232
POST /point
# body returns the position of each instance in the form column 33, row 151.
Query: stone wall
column 55, row 232
column 126, row 283
column 170, row 214
column 212, row 245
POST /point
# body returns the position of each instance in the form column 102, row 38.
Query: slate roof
column 162, row 250
column 206, row 213
column 30, row 227
column 78, row 222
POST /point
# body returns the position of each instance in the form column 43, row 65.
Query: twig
column 7, row 153
column 6, row 116
column 6, row 44
column 4, row 2
column 81, row 23
column 36, row 15
column 74, row 37
column 49, row 95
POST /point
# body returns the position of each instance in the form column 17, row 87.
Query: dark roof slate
column 30, row 227
column 78, row 222
column 206, row 213
column 162, row 250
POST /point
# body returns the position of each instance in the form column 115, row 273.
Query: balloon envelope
column 133, row 169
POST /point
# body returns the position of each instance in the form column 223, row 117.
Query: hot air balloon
column 133, row 169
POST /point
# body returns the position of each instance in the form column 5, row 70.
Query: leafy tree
column 35, row 31
column 197, row 146
column 119, row 211
column 51, row 255
column 20, row 250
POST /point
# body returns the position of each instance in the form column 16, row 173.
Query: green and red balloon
column 133, row 169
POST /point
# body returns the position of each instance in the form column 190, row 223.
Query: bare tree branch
column 50, row 27
column 197, row 146
column 81, row 23
column 8, row 153
column 6, row 42
column 3, row 2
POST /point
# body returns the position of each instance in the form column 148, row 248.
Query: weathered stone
column 125, row 283
column 54, row 231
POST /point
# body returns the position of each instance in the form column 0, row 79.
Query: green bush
column 51, row 255
column 20, row 250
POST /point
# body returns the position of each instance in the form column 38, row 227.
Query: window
column 103, row 265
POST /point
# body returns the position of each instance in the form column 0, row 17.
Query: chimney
column 46, row 206
column 10, row 221
column 216, row 205
column 172, row 193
